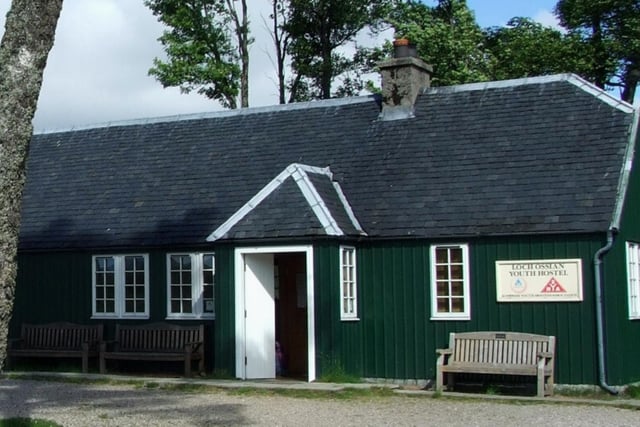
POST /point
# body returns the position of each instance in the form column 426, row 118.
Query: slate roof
column 542, row 155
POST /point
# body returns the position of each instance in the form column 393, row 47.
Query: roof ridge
column 321, row 103
column 563, row 77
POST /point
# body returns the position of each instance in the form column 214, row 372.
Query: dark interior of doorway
column 291, row 314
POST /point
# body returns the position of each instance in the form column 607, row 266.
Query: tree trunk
column 28, row 38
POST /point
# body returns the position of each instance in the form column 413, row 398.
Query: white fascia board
column 347, row 208
column 251, row 204
column 299, row 173
column 316, row 203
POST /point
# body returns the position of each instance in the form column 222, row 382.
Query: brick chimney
column 403, row 76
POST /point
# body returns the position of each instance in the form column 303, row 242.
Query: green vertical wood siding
column 395, row 337
column 53, row 287
column 622, row 334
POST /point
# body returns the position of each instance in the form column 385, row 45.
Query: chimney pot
column 403, row 48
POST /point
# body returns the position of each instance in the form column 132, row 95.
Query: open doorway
column 274, row 304
column 291, row 315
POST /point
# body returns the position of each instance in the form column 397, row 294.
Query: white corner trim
column 347, row 208
column 298, row 172
column 316, row 203
column 602, row 95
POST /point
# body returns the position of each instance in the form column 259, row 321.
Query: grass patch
column 633, row 391
column 27, row 422
column 334, row 372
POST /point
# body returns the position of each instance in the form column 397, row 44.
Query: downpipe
column 597, row 264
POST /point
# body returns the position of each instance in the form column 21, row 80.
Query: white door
column 260, row 319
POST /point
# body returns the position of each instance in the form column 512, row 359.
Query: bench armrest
column 444, row 354
column 195, row 345
column 545, row 354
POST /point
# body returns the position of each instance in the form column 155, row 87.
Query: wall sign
column 547, row 280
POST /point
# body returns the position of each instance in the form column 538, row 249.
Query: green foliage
column 447, row 37
column 334, row 372
column 633, row 391
column 200, row 54
column 27, row 422
column 317, row 28
column 610, row 29
column 526, row 48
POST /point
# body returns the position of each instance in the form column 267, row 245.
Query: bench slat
column 157, row 341
column 486, row 352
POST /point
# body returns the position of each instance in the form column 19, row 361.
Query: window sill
column 116, row 317
column 192, row 317
column 349, row 319
column 450, row 318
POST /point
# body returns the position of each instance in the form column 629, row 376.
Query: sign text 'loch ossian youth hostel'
column 547, row 280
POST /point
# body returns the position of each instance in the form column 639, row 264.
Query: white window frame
column 197, row 286
column 633, row 279
column 119, row 288
column 466, row 313
column 348, row 285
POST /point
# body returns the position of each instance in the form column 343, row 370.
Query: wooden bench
column 156, row 342
column 499, row 353
column 62, row 340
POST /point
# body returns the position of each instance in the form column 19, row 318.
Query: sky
column 97, row 71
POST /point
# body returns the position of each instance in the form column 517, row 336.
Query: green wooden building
column 355, row 232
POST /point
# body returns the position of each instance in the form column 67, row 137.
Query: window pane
column 128, row 278
column 186, row 292
column 175, row 277
column 442, row 272
column 128, row 263
column 110, row 292
column 443, row 289
column 175, row 306
column 111, row 307
column 100, row 306
column 457, row 289
column 140, row 292
column 207, row 261
column 139, row 306
column 110, row 278
column 442, row 256
column 128, row 306
column 457, row 305
column 140, row 277
column 207, row 292
column 443, row 305
column 207, row 277
column 175, row 292
column 456, row 272
column 186, row 306
column 128, row 290
column 175, row 262
column 456, row 255
column 186, row 277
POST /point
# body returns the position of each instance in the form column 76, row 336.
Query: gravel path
column 125, row 405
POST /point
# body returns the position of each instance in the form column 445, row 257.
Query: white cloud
column 547, row 18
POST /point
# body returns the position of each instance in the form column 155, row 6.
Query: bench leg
column 187, row 367
column 451, row 380
column 439, row 380
column 103, row 364
column 549, row 385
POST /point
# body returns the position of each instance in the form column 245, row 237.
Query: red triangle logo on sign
column 553, row 286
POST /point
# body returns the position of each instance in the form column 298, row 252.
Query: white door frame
column 240, row 303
